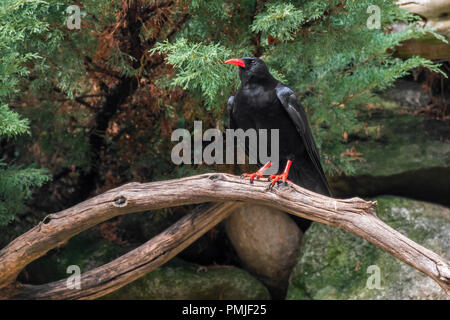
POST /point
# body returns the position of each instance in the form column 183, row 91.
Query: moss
column 396, row 141
column 404, row 155
column 404, row 145
column 332, row 263
column 343, row 262
column 181, row 280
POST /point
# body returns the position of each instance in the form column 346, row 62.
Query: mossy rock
column 181, row 280
column 333, row 263
column 403, row 154
column 175, row 280
column 405, row 143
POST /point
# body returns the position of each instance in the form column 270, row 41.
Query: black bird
column 262, row 102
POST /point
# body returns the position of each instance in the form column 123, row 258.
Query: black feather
column 262, row 102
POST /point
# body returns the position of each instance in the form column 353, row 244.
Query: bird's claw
column 270, row 186
column 278, row 179
column 252, row 176
column 258, row 174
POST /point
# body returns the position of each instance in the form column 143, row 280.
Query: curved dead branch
column 228, row 192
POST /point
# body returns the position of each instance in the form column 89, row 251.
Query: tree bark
column 229, row 192
column 136, row 263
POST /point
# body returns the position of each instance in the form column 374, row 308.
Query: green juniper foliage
column 20, row 21
column 59, row 73
column 321, row 49
column 199, row 70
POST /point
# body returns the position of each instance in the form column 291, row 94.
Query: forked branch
column 227, row 192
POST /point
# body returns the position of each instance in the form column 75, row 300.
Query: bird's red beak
column 237, row 62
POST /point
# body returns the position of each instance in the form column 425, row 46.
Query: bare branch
column 136, row 263
column 355, row 215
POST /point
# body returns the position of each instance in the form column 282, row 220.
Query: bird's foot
column 258, row 174
column 280, row 178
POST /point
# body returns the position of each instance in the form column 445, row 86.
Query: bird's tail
column 310, row 178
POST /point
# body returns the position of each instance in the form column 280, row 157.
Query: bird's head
column 251, row 69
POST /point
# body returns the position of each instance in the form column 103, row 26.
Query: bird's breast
column 253, row 101
column 257, row 107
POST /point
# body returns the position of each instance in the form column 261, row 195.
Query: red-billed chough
column 262, row 102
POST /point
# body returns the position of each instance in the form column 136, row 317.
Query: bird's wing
column 230, row 105
column 300, row 119
column 232, row 125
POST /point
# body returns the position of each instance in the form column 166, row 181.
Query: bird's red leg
column 258, row 174
column 283, row 177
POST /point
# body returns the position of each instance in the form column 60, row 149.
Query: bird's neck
column 258, row 80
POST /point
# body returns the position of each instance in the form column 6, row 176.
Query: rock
column 181, row 280
column 434, row 14
column 334, row 264
column 404, row 155
column 175, row 280
column 266, row 240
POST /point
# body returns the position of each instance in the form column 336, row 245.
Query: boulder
column 403, row 154
column 175, row 280
column 266, row 241
column 336, row 264
column 434, row 14
column 181, row 280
